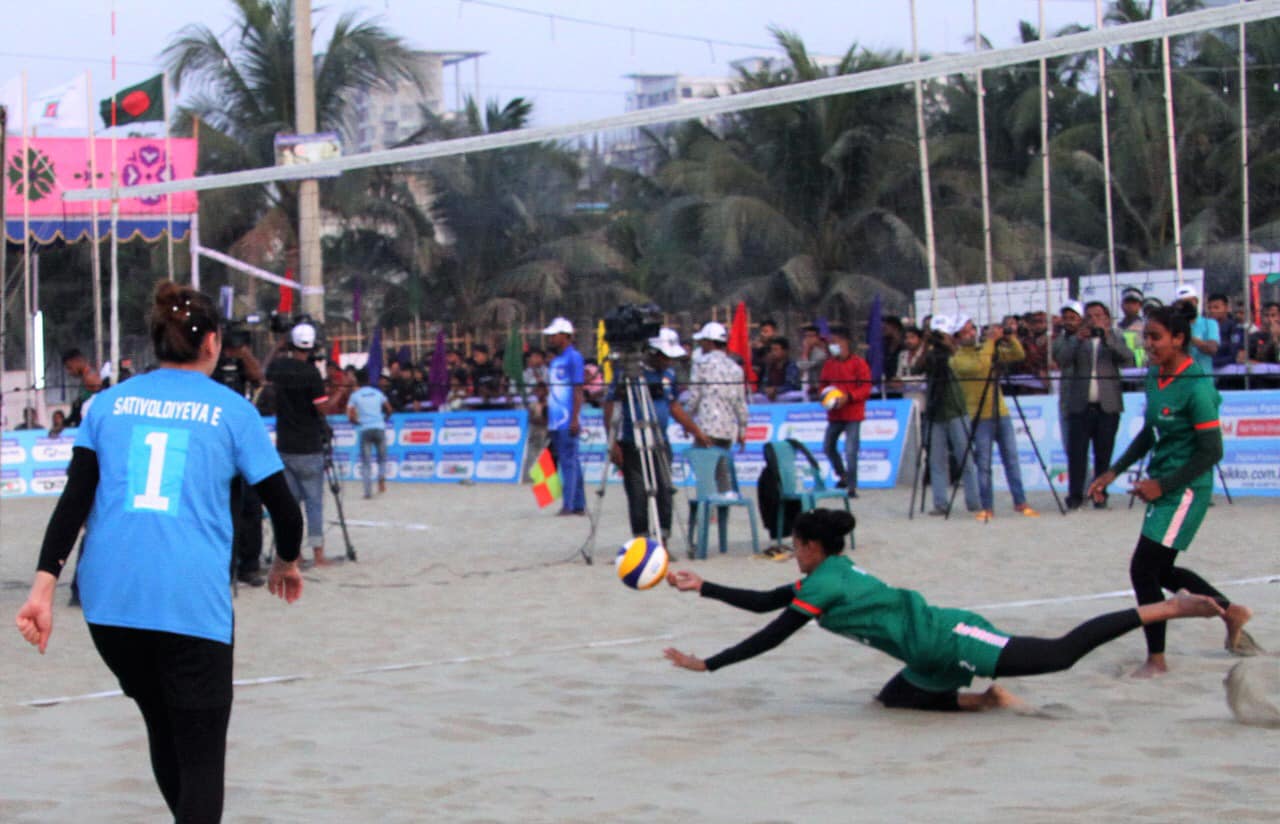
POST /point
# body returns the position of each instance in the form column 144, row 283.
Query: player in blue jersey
column 151, row 473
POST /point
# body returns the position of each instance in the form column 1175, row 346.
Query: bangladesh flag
column 546, row 480
column 145, row 101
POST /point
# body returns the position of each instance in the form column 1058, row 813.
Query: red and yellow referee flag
column 546, row 480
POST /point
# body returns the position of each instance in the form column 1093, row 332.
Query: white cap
column 958, row 322
column 1186, row 291
column 1073, row 306
column 668, row 343
column 559, row 326
column 712, row 331
column 303, row 336
column 940, row 323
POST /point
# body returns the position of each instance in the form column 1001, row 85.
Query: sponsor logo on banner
column 874, row 465
column 1256, row 469
column 417, row 433
column 344, row 435
column 497, row 466
column 748, row 465
column 456, row 466
column 1258, row 428
column 759, row 427
column 807, row 425
column 11, row 484
column 417, row 466
column 11, row 452
column 52, row 450
column 500, row 431
column 458, row 432
column 878, row 430
column 48, row 481
column 592, row 428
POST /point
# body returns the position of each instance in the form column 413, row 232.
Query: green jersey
column 942, row 648
column 1178, row 407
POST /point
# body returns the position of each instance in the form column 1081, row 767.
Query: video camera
column 631, row 326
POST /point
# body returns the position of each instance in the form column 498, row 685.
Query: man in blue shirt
column 368, row 409
column 564, row 403
column 1204, row 331
column 660, row 380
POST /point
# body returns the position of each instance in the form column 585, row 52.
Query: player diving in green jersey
column 1183, row 435
column 943, row 649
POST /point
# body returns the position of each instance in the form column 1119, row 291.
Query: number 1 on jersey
column 157, row 462
column 151, row 497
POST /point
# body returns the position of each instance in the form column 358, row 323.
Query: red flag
column 285, row 306
column 740, row 343
column 336, row 355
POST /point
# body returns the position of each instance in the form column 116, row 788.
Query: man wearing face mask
column 850, row 374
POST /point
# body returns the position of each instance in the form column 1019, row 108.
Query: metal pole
column 309, row 260
column 26, row 230
column 1171, row 147
column 1044, row 182
column 1246, row 262
column 1106, row 160
column 194, row 243
column 988, row 261
column 925, row 189
column 168, row 159
column 95, row 253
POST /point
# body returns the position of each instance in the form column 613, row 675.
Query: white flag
column 62, row 107
column 11, row 99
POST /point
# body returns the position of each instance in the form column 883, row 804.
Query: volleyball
column 832, row 397
column 641, row 563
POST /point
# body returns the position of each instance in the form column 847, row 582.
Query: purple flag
column 374, row 364
column 404, row 357
column 875, row 342
column 824, row 330
column 438, row 375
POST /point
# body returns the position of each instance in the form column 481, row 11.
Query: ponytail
column 180, row 318
column 826, row 526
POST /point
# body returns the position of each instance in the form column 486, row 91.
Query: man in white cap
column 301, row 430
column 946, row 418
column 658, row 380
column 1205, row 335
column 717, row 397
column 564, row 404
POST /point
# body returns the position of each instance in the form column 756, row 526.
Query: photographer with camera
column 946, row 421
column 978, row 366
column 302, row 433
column 660, row 380
column 241, row 372
column 1091, row 356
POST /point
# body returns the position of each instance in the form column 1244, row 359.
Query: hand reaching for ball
column 684, row 580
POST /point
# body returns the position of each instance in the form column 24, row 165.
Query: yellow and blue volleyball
column 832, row 397
column 641, row 563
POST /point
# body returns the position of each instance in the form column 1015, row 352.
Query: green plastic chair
column 791, row 488
column 703, row 462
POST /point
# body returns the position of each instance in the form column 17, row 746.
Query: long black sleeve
column 71, row 511
column 1139, row 446
column 1208, row 452
column 777, row 631
column 286, row 518
column 749, row 599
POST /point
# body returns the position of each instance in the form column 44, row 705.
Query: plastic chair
column 790, row 487
column 703, row 461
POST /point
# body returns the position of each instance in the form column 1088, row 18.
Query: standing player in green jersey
column 1182, row 426
column 943, row 648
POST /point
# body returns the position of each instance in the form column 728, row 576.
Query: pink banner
column 61, row 164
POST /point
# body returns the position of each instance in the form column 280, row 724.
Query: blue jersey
column 565, row 374
column 157, row 551
column 368, row 403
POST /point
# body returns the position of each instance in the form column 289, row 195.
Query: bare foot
column 1187, row 605
column 997, row 697
column 1153, row 668
column 1239, row 641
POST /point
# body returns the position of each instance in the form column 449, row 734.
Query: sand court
column 470, row 666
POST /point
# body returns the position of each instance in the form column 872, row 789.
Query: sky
column 570, row 70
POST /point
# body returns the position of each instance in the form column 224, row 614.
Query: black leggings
column 1023, row 655
column 182, row 686
column 1152, row 571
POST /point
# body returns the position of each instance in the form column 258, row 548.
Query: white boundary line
column 614, row 642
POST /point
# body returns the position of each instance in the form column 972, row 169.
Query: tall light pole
column 309, row 260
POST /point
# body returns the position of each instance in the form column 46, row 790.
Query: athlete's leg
column 199, row 751
column 901, row 694
column 1024, row 655
column 1147, row 568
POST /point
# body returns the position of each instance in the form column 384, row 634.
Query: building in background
column 382, row 118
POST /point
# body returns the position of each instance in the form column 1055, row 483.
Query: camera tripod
column 335, row 487
column 650, row 444
column 992, row 385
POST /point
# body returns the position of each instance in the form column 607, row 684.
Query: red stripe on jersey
column 806, row 607
column 1208, row 425
column 1163, row 381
